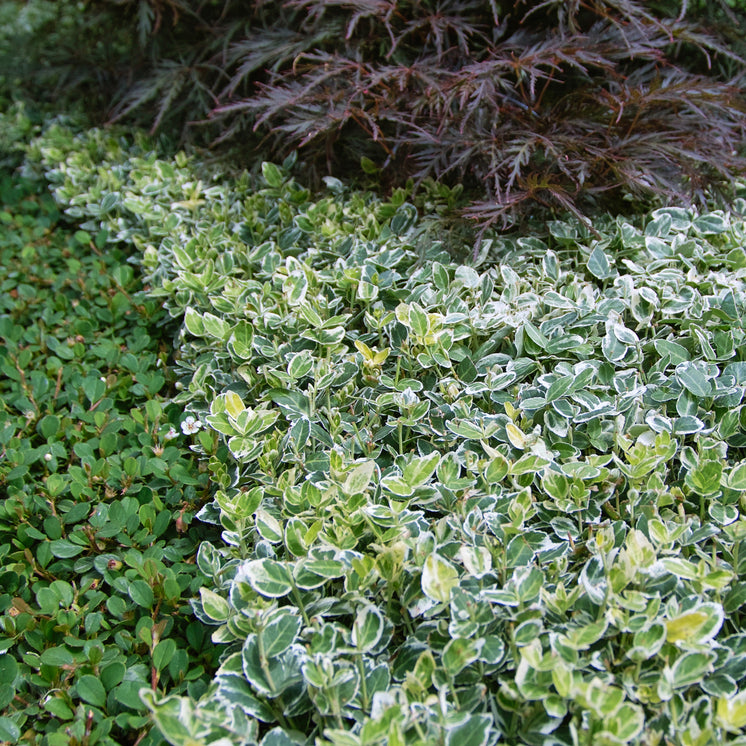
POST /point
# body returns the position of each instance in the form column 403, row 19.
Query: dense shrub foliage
column 99, row 491
column 458, row 504
column 565, row 105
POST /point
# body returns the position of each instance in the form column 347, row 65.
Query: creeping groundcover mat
column 458, row 505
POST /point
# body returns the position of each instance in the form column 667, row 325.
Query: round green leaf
column 91, row 690
column 141, row 593
column 163, row 653
column 9, row 731
column 64, row 549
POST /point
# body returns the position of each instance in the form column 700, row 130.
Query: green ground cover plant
column 458, row 504
column 97, row 541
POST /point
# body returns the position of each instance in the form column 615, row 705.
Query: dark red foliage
column 567, row 104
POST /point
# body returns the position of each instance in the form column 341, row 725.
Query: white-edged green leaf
column 367, row 629
column 272, row 174
column 697, row 625
column 693, row 379
column 690, row 669
column 215, row 326
column 731, row 712
column 420, row 469
column 279, row 631
column 193, row 322
column 267, row 577
column 736, row 478
column 473, row 730
column 214, row 605
column 269, row 528
column 359, row 478
column 439, row 577
column 599, row 265
column 459, row 653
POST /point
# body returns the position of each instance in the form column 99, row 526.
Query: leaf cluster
column 456, row 503
column 99, row 490
column 569, row 106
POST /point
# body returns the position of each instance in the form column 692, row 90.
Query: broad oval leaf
column 267, row 577
column 367, row 629
column 280, row 630
column 438, row 578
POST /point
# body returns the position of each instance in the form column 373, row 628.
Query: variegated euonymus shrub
column 459, row 505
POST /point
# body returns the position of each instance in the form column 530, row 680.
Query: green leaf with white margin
column 300, row 365
column 477, row 561
column 272, row 174
column 473, row 730
column 328, row 337
column 175, row 718
column 420, row 469
column 468, row 276
column 599, row 265
column 613, row 350
column 674, row 351
column 214, row 605
column 280, row 737
column 680, row 218
column 267, row 577
column 690, row 669
column 693, row 379
column 215, row 326
column 359, row 478
column 516, row 436
column 696, row 626
column 244, row 449
column 269, row 676
column 535, row 335
column 559, row 387
column 626, row 724
column 293, row 403
column 731, row 712
column 269, row 528
column 233, row 690
column 240, row 341
column 328, row 568
column 704, row 479
column 397, row 486
column 647, row 642
column 280, row 630
column 438, row 578
column 367, row 629
column 295, row 287
column 711, row 224
column 458, row 653
column 736, row 479
column 193, row 322
column 233, row 404
column 465, row 429
column 310, row 315
column 418, row 320
column 496, row 469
